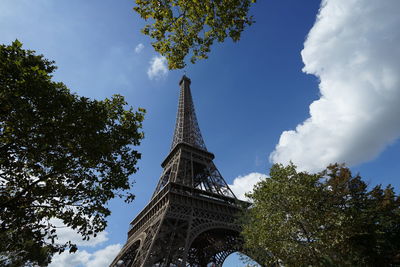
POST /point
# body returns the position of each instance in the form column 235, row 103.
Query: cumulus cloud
column 353, row 48
column 245, row 184
column 139, row 48
column 66, row 234
column 99, row 258
column 158, row 68
column 104, row 257
column 66, row 259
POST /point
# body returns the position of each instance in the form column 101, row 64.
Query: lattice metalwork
column 187, row 129
column 182, row 226
column 192, row 167
column 191, row 217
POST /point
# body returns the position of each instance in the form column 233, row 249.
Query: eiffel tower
column 191, row 217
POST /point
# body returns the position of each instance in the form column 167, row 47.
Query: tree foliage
column 324, row 219
column 61, row 156
column 181, row 27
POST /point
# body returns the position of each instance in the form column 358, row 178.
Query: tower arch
column 213, row 245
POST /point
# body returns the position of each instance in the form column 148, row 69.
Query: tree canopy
column 324, row 219
column 61, row 156
column 181, row 27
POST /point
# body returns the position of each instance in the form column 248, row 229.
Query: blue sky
column 291, row 89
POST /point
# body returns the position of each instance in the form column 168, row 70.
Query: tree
column 181, row 27
column 61, row 156
column 324, row 219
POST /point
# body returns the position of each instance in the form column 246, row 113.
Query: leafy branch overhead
column 181, row 27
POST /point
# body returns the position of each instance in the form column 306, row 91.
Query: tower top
column 185, row 79
column 187, row 128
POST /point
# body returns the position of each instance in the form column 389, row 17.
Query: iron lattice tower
column 191, row 217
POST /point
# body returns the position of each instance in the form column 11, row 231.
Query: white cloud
column 158, row 68
column 353, row 48
column 99, row 258
column 104, row 257
column 245, row 184
column 66, row 234
column 67, row 259
column 139, row 48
